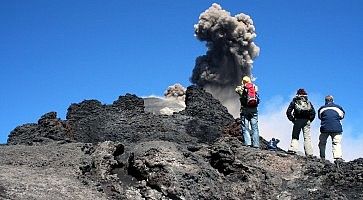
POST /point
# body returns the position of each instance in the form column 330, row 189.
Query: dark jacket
column 330, row 115
column 292, row 115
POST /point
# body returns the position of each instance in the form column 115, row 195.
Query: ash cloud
column 173, row 101
column 230, row 54
column 176, row 91
column 175, row 97
column 231, row 47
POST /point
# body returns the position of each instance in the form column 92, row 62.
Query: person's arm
column 257, row 94
column 239, row 90
column 341, row 115
column 319, row 113
column 289, row 112
column 256, row 87
column 312, row 113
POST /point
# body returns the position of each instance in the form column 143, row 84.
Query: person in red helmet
column 249, row 101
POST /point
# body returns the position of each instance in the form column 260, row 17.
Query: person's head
column 301, row 91
column 329, row 99
column 246, row 79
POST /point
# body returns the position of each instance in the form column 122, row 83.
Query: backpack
column 251, row 95
column 302, row 107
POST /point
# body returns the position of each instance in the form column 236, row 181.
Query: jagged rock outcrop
column 119, row 151
column 125, row 120
column 49, row 128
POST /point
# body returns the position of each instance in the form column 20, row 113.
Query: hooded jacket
column 292, row 115
column 330, row 115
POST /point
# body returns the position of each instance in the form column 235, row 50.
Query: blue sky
column 54, row 53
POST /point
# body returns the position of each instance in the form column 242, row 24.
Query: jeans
column 336, row 144
column 304, row 125
column 248, row 119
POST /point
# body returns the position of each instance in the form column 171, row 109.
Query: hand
column 238, row 89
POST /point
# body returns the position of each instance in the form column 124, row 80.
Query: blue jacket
column 272, row 144
column 330, row 115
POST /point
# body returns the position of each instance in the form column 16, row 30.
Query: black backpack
column 302, row 106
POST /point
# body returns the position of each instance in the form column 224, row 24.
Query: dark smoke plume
column 230, row 54
column 231, row 49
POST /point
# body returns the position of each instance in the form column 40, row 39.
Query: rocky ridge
column 119, row 151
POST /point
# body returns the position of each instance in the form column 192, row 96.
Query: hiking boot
column 291, row 152
column 338, row 162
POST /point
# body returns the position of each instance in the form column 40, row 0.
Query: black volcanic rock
column 119, row 151
column 130, row 102
column 125, row 120
column 223, row 170
column 202, row 105
column 209, row 115
column 49, row 128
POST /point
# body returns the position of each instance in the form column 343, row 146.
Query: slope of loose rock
column 43, row 172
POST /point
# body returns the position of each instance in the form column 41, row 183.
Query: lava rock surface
column 120, row 151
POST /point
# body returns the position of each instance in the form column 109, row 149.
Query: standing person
column 249, row 101
column 330, row 115
column 301, row 112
